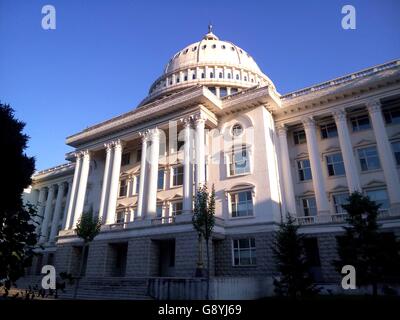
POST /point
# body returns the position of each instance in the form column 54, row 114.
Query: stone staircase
column 100, row 288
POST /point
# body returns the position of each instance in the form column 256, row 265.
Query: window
column 139, row 155
column 237, row 77
column 223, row 46
column 392, row 115
column 204, row 46
column 126, row 158
column 244, row 252
column 177, row 79
column 242, row 204
column 220, row 75
column 176, row 208
column 240, row 162
column 237, row 130
column 159, row 210
column 234, row 90
column 123, row 188
column 369, row 159
column 229, row 76
column 396, row 151
column 203, row 75
column 214, row 46
column 338, row 200
column 360, row 123
column 309, row 206
column 304, row 170
column 380, row 197
column 137, row 179
column 120, row 218
column 328, row 131
column 335, row 164
column 211, row 75
column 245, row 78
column 160, row 180
column 299, row 137
column 177, row 176
column 223, row 92
column 185, row 78
column 180, row 144
column 194, row 76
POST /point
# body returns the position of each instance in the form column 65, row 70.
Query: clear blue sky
column 104, row 55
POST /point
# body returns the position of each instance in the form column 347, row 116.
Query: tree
column 87, row 228
column 17, row 228
column 288, row 249
column 204, row 220
column 375, row 255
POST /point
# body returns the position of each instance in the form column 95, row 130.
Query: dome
column 220, row 65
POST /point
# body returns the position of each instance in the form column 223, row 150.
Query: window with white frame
column 335, row 164
column 299, row 137
column 309, row 206
column 120, row 217
column 304, row 170
column 241, row 203
column 396, row 151
column 392, row 115
column 360, row 123
column 160, row 180
column 137, row 183
column 244, row 252
column 328, row 130
column 176, row 208
column 123, row 188
column 338, row 200
column 380, row 196
column 177, row 176
column 239, row 160
column 369, row 159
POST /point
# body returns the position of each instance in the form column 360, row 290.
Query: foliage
column 375, row 255
column 88, row 227
column 17, row 229
column 291, row 263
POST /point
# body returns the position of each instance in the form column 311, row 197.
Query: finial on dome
column 210, row 35
column 210, row 26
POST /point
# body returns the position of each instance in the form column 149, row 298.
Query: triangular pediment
column 374, row 183
column 362, row 142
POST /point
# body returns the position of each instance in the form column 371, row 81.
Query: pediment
column 339, row 187
column 374, row 183
column 302, row 155
column 362, row 142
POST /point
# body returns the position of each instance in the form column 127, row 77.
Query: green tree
column 375, row 255
column 87, row 228
column 17, row 228
column 288, row 248
column 204, row 220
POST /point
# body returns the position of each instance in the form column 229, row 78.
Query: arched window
column 221, row 75
column 245, row 78
column 211, row 75
column 214, row 46
column 237, row 130
column 229, row 75
column 237, row 77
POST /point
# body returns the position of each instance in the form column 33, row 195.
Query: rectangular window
column 380, row 197
column 328, row 130
column 160, row 180
column 126, row 158
column 369, row 159
column 137, row 179
column 120, row 218
column 159, row 210
column 309, row 206
column 392, row 115
column 177, row 176
column 360, row 123
column 239, row 162
column 244, row 252
column 123, row 188
column 335, row 164
column 176, row 208
column 304, row 170
column 338, row 200
column 139, row 155
column 299, row 137
column 223, row 92
column 242, row 204
column 396, row 151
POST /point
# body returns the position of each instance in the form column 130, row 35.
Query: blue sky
column 104, row 55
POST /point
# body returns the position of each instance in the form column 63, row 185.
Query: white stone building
column 214, row 117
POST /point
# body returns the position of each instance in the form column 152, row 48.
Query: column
column 316, row 168
column 114, row 182
column 74, row 189
column 200, row 152
column 143, row 160
column 187, row 168
column 47, row 214
column 353, row 179
column 153, row 173
column 41, row 207
column 106, row 182
column 81, row 190
column 385, row 153
column 64, row 223
column 57, row 212
column 286, row 171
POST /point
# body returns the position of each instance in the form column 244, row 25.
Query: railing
column 163, row 220
column 341, row 217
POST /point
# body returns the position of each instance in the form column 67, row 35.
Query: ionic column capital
column 373, row 106
column 308, row 122
column 199, row 119
column 154, row 134
column 339, row 115
column 282, row 129
column 187, row 121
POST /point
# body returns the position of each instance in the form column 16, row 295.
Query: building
column 214, row 117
